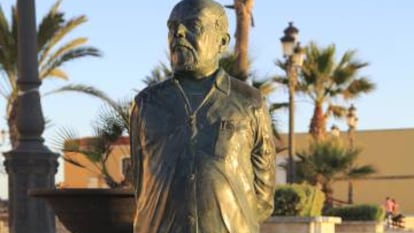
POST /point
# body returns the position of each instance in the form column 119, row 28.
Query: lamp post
column 294, row 56
column 352, row 121
column 335, row 131
column 30, row 164
column 3, row 137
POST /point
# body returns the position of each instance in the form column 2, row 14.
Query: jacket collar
column 223, row 81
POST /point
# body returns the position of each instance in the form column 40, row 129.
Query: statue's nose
column 180, row 31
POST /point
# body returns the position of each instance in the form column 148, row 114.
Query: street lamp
column 294, row 55
column 352, row 121
column 3, row 136
column 30, row 164
column 335, row 131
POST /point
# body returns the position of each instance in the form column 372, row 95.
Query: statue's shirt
column 206, row 168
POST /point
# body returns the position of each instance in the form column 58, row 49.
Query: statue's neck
column 193, row 83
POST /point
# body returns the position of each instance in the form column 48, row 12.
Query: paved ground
column 397, row 231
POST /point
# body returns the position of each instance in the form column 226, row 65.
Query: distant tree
column 158, row 74
column 53, row 53
column 244, row 20
column 110, row 125
column 324, row 80
column 326, row 161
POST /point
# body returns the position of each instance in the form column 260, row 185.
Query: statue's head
column 198, row 34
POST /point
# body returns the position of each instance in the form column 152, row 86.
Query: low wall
column 295, row 224
column 360, row 227
column 409, row 222
column 4, row 223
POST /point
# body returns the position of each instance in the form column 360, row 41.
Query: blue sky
column 132, row 36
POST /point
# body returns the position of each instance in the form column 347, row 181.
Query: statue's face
column 195, row 43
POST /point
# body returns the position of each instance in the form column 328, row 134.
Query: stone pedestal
column 27, row 170
column 295, row 224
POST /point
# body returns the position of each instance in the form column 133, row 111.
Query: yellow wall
column 391, row 152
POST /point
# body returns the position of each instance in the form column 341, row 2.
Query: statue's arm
column 264, row 162
column 135, row 147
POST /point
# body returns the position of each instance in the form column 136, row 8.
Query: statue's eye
column 195, row 26
column 171, row 25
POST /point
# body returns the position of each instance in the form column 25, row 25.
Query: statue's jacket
column 213, row 172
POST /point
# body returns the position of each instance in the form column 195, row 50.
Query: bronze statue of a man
column 201, row 142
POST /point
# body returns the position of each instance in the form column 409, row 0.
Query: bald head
column 214, row 9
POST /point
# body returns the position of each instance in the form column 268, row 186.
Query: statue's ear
column 225, row 40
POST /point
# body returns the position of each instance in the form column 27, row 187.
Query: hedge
column 363, row 212
column 298, row 200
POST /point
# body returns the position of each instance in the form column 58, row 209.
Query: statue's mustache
column 183, row 44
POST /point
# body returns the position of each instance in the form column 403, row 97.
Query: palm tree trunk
column 329, row 201
column 318, row 123
column 350, row 192
column 243, row 10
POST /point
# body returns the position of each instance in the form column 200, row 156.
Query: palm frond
column 158, row 74
column 362, row 171
column 68, row 56
column 346, row 58
column 65, row 139
column 329, row 158
column 8, row 45
column 110, row 125
column 14, row 25
column 281, row 64
column 73, row 162
column 67, row 47
column 357, row 87
column 281, row 80
column 336, row 110
column 228, row 62
column 266, row 88
column 277, row 106
column 4, row 29
column 58, row 73
column 64, row 29
column 49, row 25
column 88, row 90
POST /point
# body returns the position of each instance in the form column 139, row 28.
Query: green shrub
column 358, row 212
column 298, row 200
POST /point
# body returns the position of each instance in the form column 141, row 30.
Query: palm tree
column 111, row 124
column 354, row 173
column 53, row 52
column 324, row 80
column 244, row 20
column 329, row 160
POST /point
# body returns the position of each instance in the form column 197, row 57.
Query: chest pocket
column 232, row 137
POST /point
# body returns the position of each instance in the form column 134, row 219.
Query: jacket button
column 192, row 177
column 191, row 219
